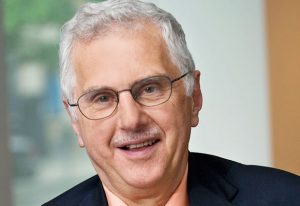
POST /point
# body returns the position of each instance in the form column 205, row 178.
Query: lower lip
column 140, row 153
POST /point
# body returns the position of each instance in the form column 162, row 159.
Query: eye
column 99, row 98
column 150, row 89
column 103, row 98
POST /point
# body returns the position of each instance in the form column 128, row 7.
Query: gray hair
column 95, row 19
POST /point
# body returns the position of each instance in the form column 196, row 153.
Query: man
column 132, row 92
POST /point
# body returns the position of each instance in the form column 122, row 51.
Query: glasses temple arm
column 174, row 80
column 72, row 104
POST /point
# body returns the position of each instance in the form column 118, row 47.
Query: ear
column 75, row 123
column 197, row 99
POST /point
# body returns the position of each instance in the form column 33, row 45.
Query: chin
column 144, row 179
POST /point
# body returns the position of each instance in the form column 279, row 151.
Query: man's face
column 116, row 61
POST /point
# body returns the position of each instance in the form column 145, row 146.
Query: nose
column 130, row 113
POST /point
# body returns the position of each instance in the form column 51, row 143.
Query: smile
column 140, row 145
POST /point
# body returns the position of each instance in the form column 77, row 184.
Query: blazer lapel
column 96, row 197
column 204, row 197
column 207, row 187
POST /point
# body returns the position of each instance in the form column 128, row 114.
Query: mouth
column 139, row 146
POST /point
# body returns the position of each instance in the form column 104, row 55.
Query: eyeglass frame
column 130, row 91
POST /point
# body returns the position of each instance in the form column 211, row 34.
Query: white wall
column 227, row 41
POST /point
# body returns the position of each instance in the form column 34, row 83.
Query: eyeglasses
column 101, row 103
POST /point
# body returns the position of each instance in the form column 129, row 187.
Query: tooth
column 133, row 146
column 144, row 144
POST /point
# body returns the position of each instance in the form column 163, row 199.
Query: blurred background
column 247, row 52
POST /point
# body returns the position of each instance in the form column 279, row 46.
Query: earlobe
column 197, row 99
column 79, row 139
column 76, row 130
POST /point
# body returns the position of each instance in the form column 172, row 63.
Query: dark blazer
column 212, row 181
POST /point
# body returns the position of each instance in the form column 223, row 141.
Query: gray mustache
column 124, row 137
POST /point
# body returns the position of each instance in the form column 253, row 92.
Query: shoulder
column 234, row 169
column 252, row 182
column 78, row 194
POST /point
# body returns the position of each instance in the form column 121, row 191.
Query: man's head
column 126, row 60
column 97, row 19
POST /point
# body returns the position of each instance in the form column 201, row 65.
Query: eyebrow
column 96, row 88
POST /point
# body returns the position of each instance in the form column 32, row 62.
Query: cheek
column 180, row 112
column 174, row 121
column 96, row 136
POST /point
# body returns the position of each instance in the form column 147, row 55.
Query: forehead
column 120, row 57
